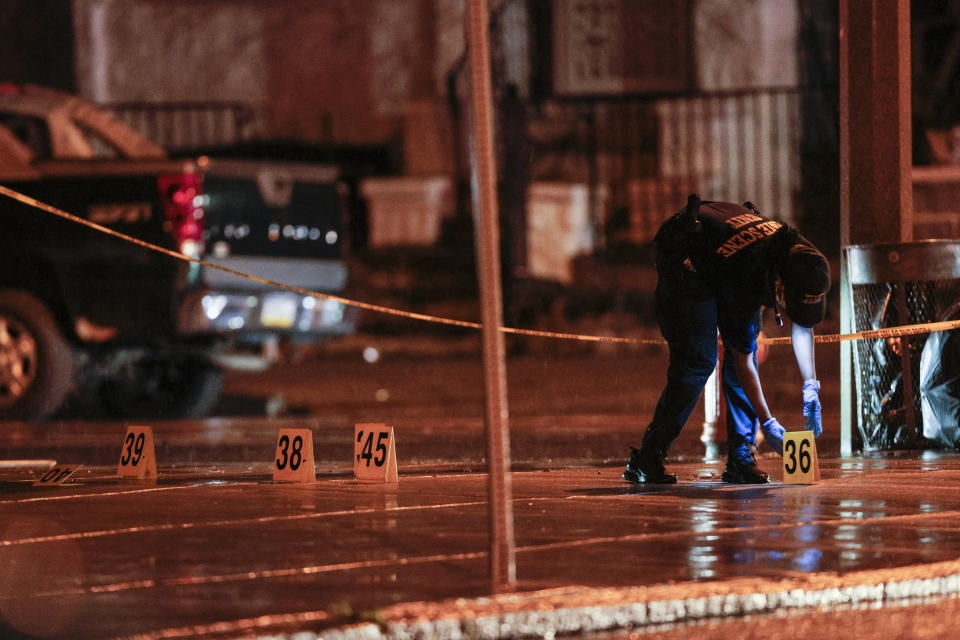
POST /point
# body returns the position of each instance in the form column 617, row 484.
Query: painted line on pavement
column 268, row 574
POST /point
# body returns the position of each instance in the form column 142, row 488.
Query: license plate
column 279, row 311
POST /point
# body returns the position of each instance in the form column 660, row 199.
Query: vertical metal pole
column 502, row 549
column 906, row 367
column 847, row 392
column 712, row 395
column 713, row 409
column 876, row 196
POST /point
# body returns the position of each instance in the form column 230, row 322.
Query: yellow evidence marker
column 138, row 461
column 56, row 475
column 800, row 464
column 294, row 457
column 374, row 453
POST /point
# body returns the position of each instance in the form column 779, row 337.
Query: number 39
column 790, row 452
column 132, row 449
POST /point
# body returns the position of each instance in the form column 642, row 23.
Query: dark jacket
column 732, row 248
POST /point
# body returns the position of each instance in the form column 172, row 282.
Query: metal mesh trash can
column 895, row 284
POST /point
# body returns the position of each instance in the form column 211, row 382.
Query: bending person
column 718, row 265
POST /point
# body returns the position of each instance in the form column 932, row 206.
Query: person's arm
column 750, row 381
column 802, row 338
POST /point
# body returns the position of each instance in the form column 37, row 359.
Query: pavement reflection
column 212, row 545
column 215, row 549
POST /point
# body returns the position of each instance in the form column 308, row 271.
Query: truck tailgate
column 275, row 210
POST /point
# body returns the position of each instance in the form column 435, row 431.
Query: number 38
column 289, row 454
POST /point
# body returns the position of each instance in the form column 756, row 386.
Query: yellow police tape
column 891, row 332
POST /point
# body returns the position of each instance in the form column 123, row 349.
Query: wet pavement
column 215, row 549
column 218, row 550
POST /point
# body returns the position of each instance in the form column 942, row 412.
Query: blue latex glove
column 773, row 434
column 811, row 407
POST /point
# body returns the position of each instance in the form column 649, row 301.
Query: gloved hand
column 811, row 407
column 773, row 434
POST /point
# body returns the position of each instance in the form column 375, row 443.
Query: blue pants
column 689, row 313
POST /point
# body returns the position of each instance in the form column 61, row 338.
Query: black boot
column 744, row 470
column 645, row 466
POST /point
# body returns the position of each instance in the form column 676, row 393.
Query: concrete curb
column 580, row 610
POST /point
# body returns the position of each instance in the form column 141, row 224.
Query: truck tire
column 163, row 386
column 36, row 364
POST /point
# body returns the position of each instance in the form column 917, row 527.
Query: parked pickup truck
column 81, row 310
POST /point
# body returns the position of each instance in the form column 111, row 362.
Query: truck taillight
column 183, row 205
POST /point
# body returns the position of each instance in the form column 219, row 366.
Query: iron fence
column 182, row 125
column 650, row 152
column 894, row 284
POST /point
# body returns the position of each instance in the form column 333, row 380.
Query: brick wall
column 344, row 70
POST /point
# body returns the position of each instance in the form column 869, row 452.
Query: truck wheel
column 164, row 386
column 36, row 365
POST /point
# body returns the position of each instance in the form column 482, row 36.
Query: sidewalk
column 219, row 551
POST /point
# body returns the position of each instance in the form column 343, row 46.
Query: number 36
column 790, row 453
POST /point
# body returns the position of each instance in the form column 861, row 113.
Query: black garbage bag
column 940, row 388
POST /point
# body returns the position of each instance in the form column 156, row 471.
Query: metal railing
column 650, row 152
column 181, row 125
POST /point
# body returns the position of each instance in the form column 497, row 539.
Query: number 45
column 374, row 443
column 366, row 451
